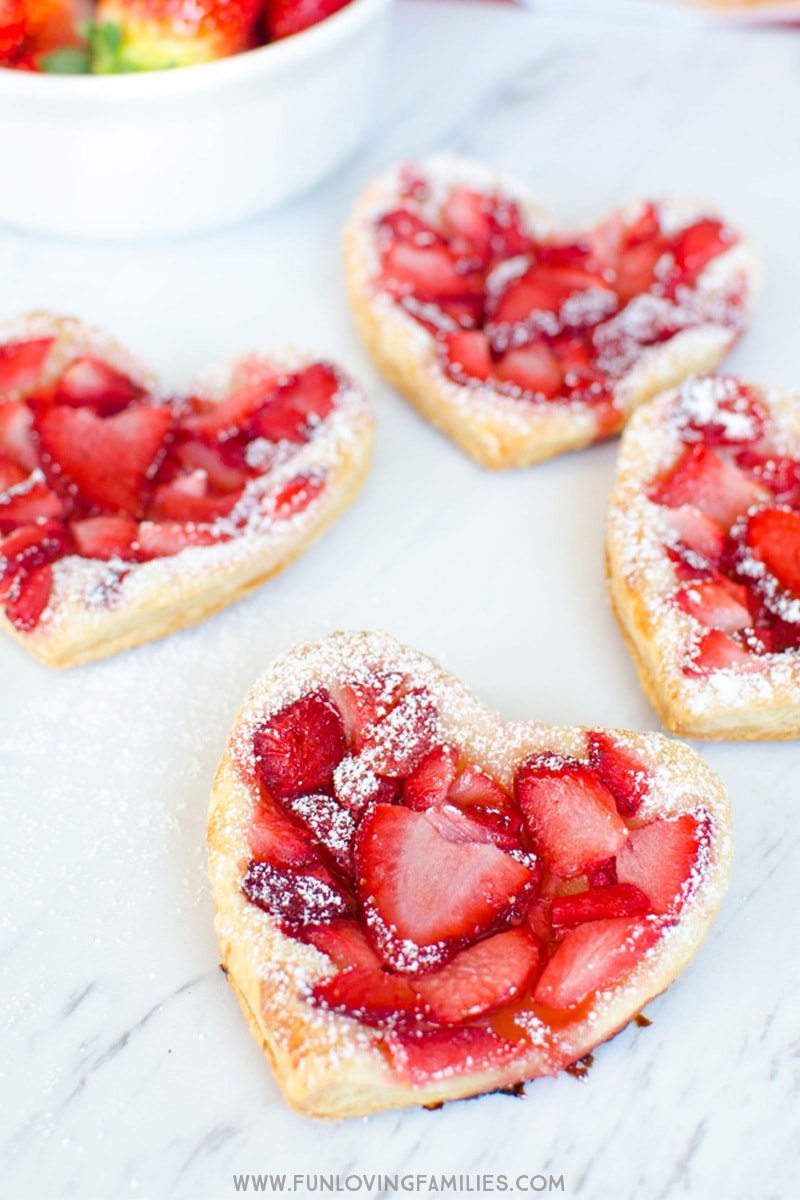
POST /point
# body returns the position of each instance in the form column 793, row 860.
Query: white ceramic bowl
column 177, row 152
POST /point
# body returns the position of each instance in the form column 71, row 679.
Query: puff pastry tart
column 127, row 512
column 418, row 902
column 520, row 340
column 704, row 557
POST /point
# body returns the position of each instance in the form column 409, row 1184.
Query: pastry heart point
column 455, row 918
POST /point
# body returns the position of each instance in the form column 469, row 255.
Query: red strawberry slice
column 398, row 742
column 276, row 839
column 602, row 874
column 296, row 495
column 592, row 957
column 29, row 547
column 695, row 247
column 10, row 473
column 734, row 417
column 228, row 417
column 106, row 460
column 773, row 535
column 427, row 271
column 467, row 355
column 625, row 776
column 345, row 944
column 21, row 365
column 330, row 825
column 615, row 900
column 481, row 978
column 16, row 434
column 187, row 498
column 420, row 1057
column 465, row 216
column 698, row 532
column 706, row 480
column 543, row 288
column 295, row 898
column 370, row 995
column 431, row 881
column 572, row 817
column 718, row 651
column 362, row 705
column 641, row 245
column 475, row 787
column 221, row 464
column 504, row 828
column 27, row 504
column 163, row 539
column 716, row 605
column 286, row 17
column 106, row 537
column 534, row 369
column 297, row 406
column 778, row 473
column 661, row 858
column 299, row 748
column 29, row 599
column 429, row 782
column 89, row 382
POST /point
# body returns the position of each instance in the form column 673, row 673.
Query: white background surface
column 127, row 1068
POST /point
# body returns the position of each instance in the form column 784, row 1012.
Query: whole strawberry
column 285, row 17
column 146, row 35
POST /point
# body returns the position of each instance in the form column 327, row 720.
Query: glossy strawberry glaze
column 733, row 508
column 544, row 318
column 92, row 465
column 456, row 916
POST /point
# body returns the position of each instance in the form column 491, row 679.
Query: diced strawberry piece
column 431, row 881
column 543, row 288
column 297, row 406
column 276, row 839
column 718, row 651
column 538, row 919
column 216, row 460
column 105, row 537
column 534, row 368
column 29, row 598
column 228, row 417
column 429, row 782
column 722, row 412
column 426, row 271
column 21, row 365
column 467, row 354
column 27, row 504
column 465, row 216
column 345, row 944
column 773, row 536
column 602, row 874
column 362, row 705
column 403, row 737
column 370, row 995
column 296, row 495
column 183, row 500
column 298, row 749
column 295, row 898
column 10, row 473
column 163, row 539
column 16, row 436
column 424, row 1056
column 89, row 382
column 715, row 605
column 572, row 817
column 660, row 858
column 331, row 825
column 406, row 226
column 107, row 460
column 481, row 978
column 625, row 776
column 698, row 532
column 695, row 247
column 711, row 483
column 616, row 900
column 356, row 785
column 474, row 786
column 29, row 547
column 503, row 827
column 283, row 18
column 592, row 957
column 778, row 473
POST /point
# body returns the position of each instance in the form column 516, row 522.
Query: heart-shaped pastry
column 703, row 547
column 520, row 340
column 417, row 901
column 127, row 513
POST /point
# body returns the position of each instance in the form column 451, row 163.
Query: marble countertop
column 127, row 1069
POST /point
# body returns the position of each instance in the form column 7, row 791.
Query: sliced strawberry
column 29, row 598
column 363, row 704
column 467, row 354
column 641, row 245
column 21, row 365
column 27, row 504
column 778, row 473
column 465, row 216
column 697, row 244
column 298, row 749
column 571, row 815
column 296, row 495
column 345, row 944
column 106, row 460
column 16, row 434
column 428, row 271
column 543, row 288
column 535, row 369
column 592, row 957
column 625, row 776
column 163, row 539
column 370, row 995
column 503, row 827
column 661, row 858
column 715, row 605
column 228, row 417
column 616, row 900
column 89, row 382
column 29, row 547
column 297, row 406
column 331, row 825
column 276, row 839
column 481, row 978
column 424, row 1056
column 295, row 898
column 698, row 532
column 475, row 787
column 430, row 880
column 105, row 537
column 706, row 480
column 718, row 651
column 187, row 499
column 402, row 738
column 773, row 536
column 219, row 463
column 722, row 412
column 429, row 782
column 602, row 874
column 10, row 473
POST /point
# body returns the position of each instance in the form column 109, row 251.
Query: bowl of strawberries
column 107, row 133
